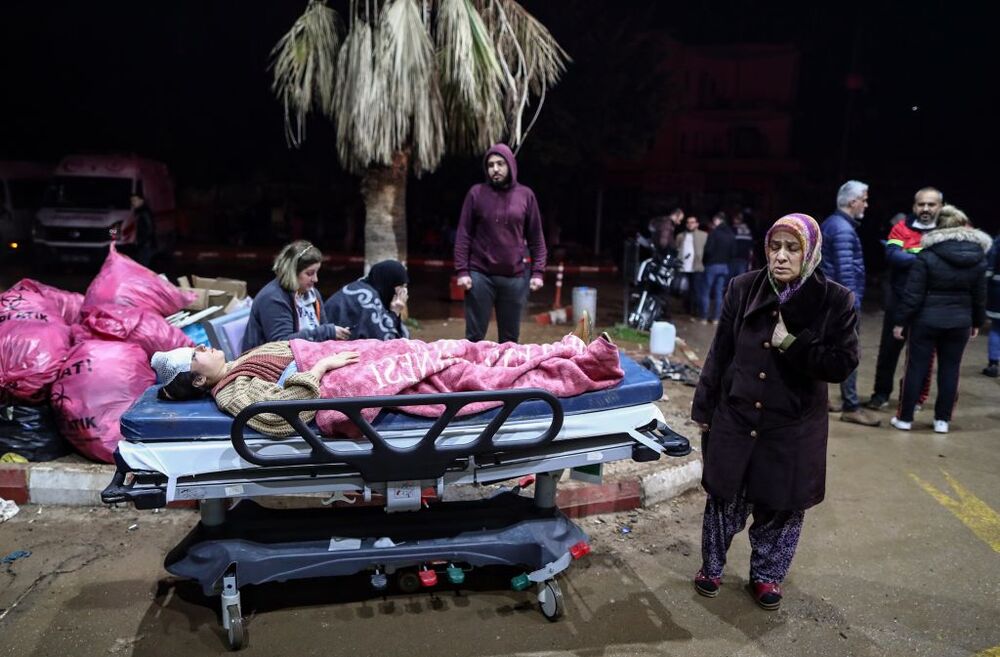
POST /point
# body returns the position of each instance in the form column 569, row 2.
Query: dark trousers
column 889, row 349
column 695, row 292
column 849, row 386
column 949, row 345
column 774, row 536
column 716, row 278
column 508, row 294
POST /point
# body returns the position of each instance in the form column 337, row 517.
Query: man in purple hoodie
column 498, row 217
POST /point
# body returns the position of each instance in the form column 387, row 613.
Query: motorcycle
column 651, row 286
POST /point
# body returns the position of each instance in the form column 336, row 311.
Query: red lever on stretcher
column 428, row 577
column 524, row 482
column 579, row 549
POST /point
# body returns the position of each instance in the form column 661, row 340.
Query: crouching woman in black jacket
column 944, row 304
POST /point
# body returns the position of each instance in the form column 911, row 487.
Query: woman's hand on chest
column 780, row 331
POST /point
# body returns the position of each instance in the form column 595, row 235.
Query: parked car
column 87, row 204
column 21, row 188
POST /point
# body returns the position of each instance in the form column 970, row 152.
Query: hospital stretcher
column 174, row 451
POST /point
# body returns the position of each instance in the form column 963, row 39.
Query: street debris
column 14, row 556
column 8, row 509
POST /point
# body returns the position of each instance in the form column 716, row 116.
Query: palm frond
column 532, row 56
column 472, row 78
column 303, row 62
column 406, row 61
column 360, row 100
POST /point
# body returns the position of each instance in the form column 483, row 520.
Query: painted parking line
column 989, row 652
column 972, row 511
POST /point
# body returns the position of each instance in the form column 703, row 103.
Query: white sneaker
column 902, row 426
column 940, row 426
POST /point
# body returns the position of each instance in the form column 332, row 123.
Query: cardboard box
column 213, row 291
column 232, row 286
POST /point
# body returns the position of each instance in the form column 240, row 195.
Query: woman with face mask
column 784, row 334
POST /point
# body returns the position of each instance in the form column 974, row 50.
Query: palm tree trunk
column 384, row 192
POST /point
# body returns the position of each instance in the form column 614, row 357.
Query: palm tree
column 405, row 82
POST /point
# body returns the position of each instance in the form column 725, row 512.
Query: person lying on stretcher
column 299, row 369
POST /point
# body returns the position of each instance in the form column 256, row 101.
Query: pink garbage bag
column 32, row 346
column 142, row 327
column 125, row 282
column 23, row 304
column 97, row 383
column 66, row 304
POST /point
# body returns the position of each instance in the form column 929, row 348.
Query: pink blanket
column 565, row 368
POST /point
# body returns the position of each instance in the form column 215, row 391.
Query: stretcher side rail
column 424, row 459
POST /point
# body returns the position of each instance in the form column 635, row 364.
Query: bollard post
column 559, row 276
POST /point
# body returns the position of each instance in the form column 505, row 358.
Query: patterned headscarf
column 810, row 239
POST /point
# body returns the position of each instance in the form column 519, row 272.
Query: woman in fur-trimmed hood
column 944, row 304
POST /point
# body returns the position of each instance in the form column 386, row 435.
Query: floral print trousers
column 774, row 536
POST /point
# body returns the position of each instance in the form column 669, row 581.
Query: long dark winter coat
column 946, row 286
column 767, row 409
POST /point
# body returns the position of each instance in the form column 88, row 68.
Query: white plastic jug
column 661, row 338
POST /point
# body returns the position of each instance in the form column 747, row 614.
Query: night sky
column 186, row 82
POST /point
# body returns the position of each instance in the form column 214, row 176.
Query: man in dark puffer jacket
column 843, row 262
column 943, row 304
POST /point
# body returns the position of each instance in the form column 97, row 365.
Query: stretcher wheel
column 237, row 629
column 550, row 600
column 408, row 582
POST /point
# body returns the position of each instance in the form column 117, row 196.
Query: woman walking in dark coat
column 944, row 304
column 785, row 333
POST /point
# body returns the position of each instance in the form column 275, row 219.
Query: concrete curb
column 670, row 482
column 68, row 484
column 80, row 484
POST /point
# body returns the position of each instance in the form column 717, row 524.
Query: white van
column 21, row 188
column 88, row 201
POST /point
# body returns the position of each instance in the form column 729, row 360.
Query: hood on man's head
column 168, row 364
column 503, row 150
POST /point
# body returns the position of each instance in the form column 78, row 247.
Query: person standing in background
column 943, row 305
column 663, row 229
column 145, row 233
column 498, row 217
column 743, row 246
column 901, row 249
column 992, row 368
column 719, row 249
column 691, row 249
column 843, row 262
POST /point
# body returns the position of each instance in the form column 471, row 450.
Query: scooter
column 649, row 298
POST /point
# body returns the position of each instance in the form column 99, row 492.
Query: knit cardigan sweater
column 246, row 390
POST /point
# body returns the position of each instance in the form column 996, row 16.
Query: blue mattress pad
column 150, row 419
